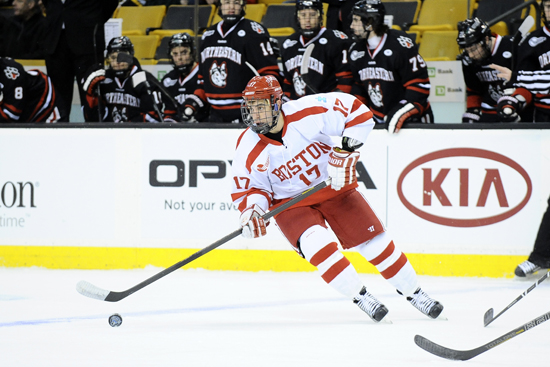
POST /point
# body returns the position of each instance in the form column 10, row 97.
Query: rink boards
column 458, row 202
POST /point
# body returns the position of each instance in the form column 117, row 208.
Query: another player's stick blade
column 440, row 351
column 488, row 317
column 89, row 290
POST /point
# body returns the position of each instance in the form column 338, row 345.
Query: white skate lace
column 422, row 302
column 528, row 267
column 368, row 303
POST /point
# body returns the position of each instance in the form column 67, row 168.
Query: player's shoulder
column 291, row 41
column 334, row 34
column 9, row 62
column 170, row 78
column 400, row 38
column 537, row 37
column 246, row 141
column 251, row 28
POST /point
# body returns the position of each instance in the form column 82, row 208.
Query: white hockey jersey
column 266, row 172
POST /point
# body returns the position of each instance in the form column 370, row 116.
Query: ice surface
column 208, row 318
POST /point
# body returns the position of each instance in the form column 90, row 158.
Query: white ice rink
column 205, row 318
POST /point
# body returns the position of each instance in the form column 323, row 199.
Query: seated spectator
column 124, row 92
column 391, row 77
column 25, row 96
column 328, row 68
column 23, row 33
column 480, row 48
column 181, row 81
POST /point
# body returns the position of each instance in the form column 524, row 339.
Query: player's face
column 546, row 8
column 358, row 27
column 231, row 7
column 260, row 110
column 20, row 7
column 478, row 51
column 115, row 64
column 181, row 55
column 308, row 18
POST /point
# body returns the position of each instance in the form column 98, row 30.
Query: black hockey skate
column 372, row 307
column 428, row 306
column 526, row 268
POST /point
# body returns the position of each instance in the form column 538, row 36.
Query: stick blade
column 527, row 24
column 488, row 317
column 89, row 290
column 304, row 68
column 440, row 351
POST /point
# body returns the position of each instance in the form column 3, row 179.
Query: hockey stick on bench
column 304, row 68
column 488, row 317
column 89, row 290
column 463, row 355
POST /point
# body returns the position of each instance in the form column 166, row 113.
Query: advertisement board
column 438, row 191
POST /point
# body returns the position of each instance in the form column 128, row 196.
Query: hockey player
column 328, row 63
column 391, row 78
column 230, row 50
column 484, row 88
column 126, row 92
column 530, row 77
column 287, row 150
column 25, row 96
column 181, row 81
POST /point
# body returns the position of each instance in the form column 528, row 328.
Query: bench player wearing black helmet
column 181, row 81
column 126, row 93
column 328, row 64
column 390, row 76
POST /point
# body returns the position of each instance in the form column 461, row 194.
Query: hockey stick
column 252, row 68
column 304, row 68
column 99, row 108
column 89, row 290
column 523, row 31
column 488, row 317
column 464, row 355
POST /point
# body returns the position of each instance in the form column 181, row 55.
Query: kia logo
column 462, row 180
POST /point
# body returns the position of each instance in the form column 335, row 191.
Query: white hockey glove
column 92, row 81
column 398, row 115
column 252, row 222
column 341, row 167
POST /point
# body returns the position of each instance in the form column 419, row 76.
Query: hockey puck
column 115, row 320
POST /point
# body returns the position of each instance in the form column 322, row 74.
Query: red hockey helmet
column 259, row 89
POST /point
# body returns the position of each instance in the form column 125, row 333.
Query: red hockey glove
column 252, row 222
column 91, row 82
column 398, row 115
column 341, row 167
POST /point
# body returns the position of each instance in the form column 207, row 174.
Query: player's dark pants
column 541, row 251
column 63, row 66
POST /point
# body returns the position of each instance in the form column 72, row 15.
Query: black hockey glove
column 191, row 106
column 509, row 106
column 471, row 115
column 398, row 115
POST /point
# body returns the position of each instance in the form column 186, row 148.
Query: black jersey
column 223, row 69
column 182, row 87
column 532, row 72
column 27, row 96
column 390, row 74
column 121, row 101
column 328, row 64
column 483, row 86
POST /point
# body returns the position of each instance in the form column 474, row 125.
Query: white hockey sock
column 321, row 250
column 392, row 264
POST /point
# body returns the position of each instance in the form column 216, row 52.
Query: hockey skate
column 428, row 306
column 526, row 268
column 372, row 307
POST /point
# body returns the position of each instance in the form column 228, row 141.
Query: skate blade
column 442, row 316
column 385, row 320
